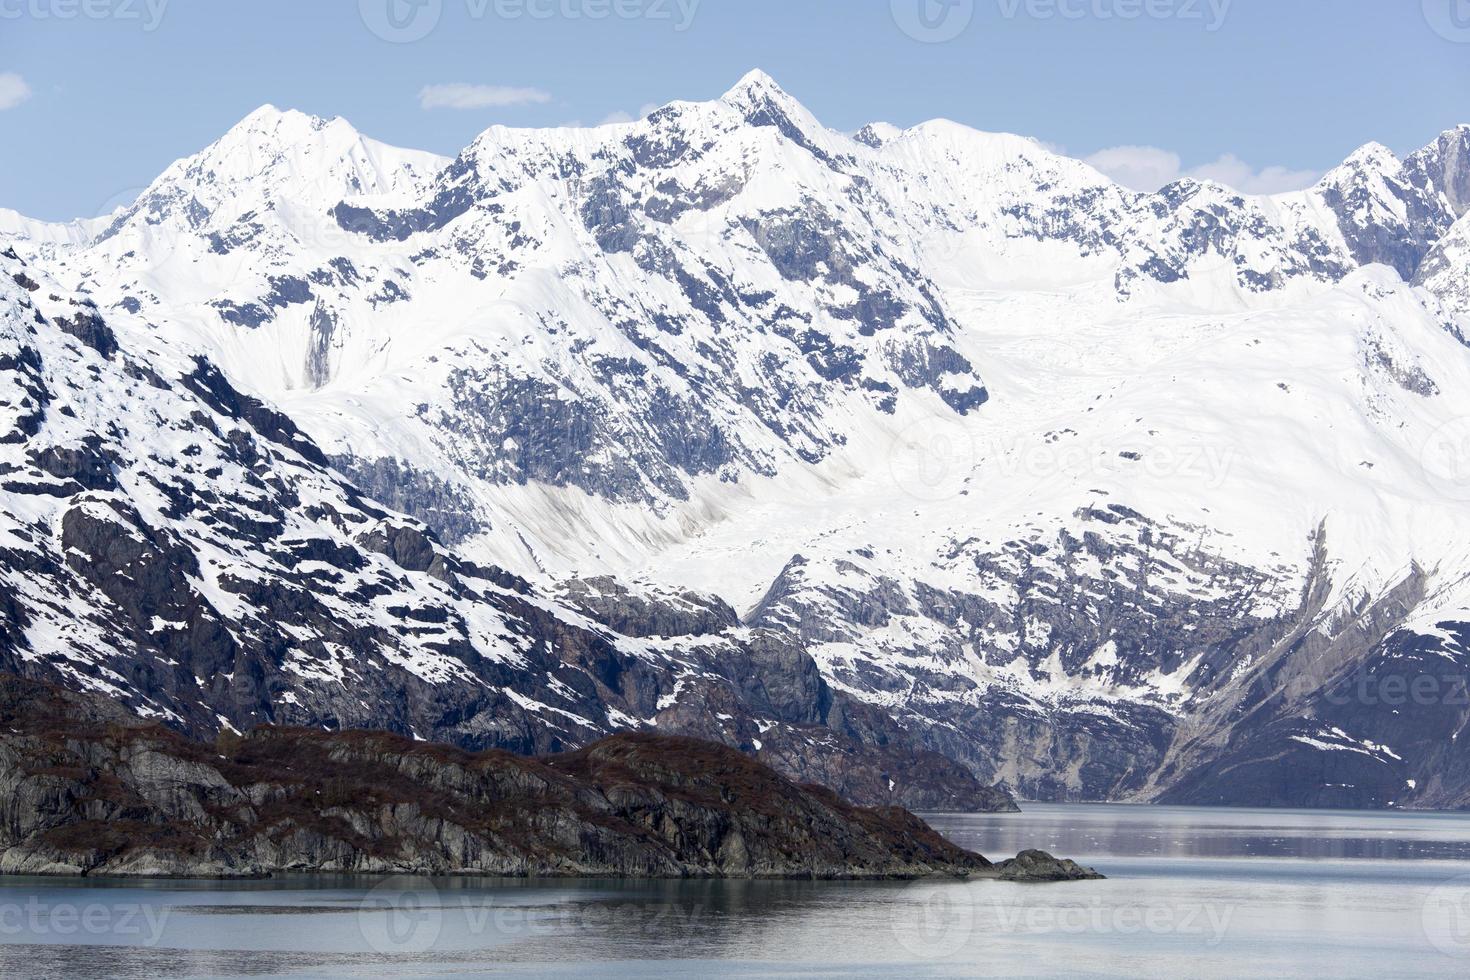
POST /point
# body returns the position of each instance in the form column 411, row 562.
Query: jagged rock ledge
column 86, row 788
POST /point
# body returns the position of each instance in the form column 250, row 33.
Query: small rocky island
column 87, row 788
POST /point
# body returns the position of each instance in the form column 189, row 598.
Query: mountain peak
column 1452, row 145
column 761, row 102
column 877, row 133
column 265, row 111
column 755, row 83
column 1370, row 159
column 1372, row 155
column 285, row 122
column 1445, row 165
column 758, row 94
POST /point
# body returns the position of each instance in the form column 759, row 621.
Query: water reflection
column 1191, row 892
column 1086, row 831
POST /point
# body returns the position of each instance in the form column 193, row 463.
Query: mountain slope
column 181, row 547
column 1097, row 491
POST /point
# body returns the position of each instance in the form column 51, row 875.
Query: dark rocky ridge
column 88, row 788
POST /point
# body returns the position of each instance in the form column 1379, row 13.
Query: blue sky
column 98, row 96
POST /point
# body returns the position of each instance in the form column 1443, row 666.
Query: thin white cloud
column 1143, row 168
column 13, row 90
column 459, row 95
column 627, row 117
column 1147, row 168
column 1234, row 172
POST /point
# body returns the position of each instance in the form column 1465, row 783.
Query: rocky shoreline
column 86, row 788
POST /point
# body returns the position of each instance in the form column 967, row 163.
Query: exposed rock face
column 759, row 690
column 1380, row 731
column 1278, row 703
column 1394, row 212
column 87, row 789
column 637, row 613
column 1064, row 600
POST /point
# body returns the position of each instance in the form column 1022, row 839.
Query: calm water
column 1192, row 893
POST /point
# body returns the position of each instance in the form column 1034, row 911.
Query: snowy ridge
column 184, row 548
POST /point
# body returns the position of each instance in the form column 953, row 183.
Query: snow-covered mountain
column 173, row 543
column 1105, row 494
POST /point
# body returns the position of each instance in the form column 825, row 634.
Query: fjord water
column 1191, row 892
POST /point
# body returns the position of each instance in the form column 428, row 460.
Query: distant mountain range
column 912, row 461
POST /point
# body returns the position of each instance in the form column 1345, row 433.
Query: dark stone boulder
column 1040, row 866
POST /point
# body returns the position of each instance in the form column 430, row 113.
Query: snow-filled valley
column 862, row 452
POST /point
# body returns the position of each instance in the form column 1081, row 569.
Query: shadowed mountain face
column 863, row 454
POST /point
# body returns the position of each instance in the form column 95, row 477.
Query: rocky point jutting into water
column 89, row 789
